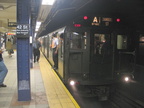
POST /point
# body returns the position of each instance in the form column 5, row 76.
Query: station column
column 23, row 50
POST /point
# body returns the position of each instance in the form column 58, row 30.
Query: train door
column 45, row 45
column 50, row 49
column 101, row 56
column 47, row 41
column 125, row 54
column 77, row 54
column 140, row 59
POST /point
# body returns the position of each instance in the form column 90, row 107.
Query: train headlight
column 126, row 79
column 72, row 82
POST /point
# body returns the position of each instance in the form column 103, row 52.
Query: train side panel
column 47, row 50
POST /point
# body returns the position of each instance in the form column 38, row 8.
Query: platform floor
column 47, row 90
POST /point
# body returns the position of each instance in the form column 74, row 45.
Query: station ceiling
column 8, row 13
column 63, row 10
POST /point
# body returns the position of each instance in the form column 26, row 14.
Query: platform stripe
column 69, row 94
column 45, row 68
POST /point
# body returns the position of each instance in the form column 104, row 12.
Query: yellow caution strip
column 71, row 97
column 44, row 65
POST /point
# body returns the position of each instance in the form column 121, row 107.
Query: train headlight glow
column 126, row 79
column 72, row 82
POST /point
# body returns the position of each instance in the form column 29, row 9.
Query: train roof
column 63, row 11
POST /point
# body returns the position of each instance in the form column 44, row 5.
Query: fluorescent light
column 47, row 2
column 37, row 26
column 38, row 23
column 35, row 34
column 36, row 29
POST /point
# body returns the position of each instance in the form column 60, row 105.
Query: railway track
column 125, row 99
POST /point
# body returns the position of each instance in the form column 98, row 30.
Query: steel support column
column 23, row 48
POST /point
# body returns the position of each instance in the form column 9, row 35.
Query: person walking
column 9, row 47
column 36, row 51
column 3, row 70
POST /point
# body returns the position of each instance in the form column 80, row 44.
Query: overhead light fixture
column 37, row 25
column 47, row 2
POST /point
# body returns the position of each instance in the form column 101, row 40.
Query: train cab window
column 121, row 42
column 101, row 42
column 141, row 39
column 141, row 44
column 78, row 40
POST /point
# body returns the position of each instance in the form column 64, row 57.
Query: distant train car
column 94, row 52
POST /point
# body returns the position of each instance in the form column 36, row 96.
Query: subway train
column 94, row 52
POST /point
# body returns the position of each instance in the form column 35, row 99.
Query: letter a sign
column 95, row 20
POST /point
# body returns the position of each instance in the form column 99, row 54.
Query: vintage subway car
column 95, row 52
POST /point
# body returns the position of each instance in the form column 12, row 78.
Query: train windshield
column 102, row 44
column 78, row 40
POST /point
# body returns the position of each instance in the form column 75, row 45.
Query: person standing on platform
column 3, row 70
column 54, row 47
column 36, row 51
column 9, row 47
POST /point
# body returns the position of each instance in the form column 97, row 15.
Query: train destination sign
column 95, row 21
column 99, row 20
column 22, row 30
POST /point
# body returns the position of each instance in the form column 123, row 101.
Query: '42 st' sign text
column 22, row 30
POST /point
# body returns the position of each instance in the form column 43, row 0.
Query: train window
column 121, row 42
column 78, row 40
column 101, row 42
column 140, row 57
column 141, row 39
column 61, row 45
column 50, row 41
column 85, row 40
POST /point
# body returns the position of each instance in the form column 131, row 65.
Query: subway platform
column 47, row 90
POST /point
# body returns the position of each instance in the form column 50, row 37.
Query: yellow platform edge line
column 68, row 93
